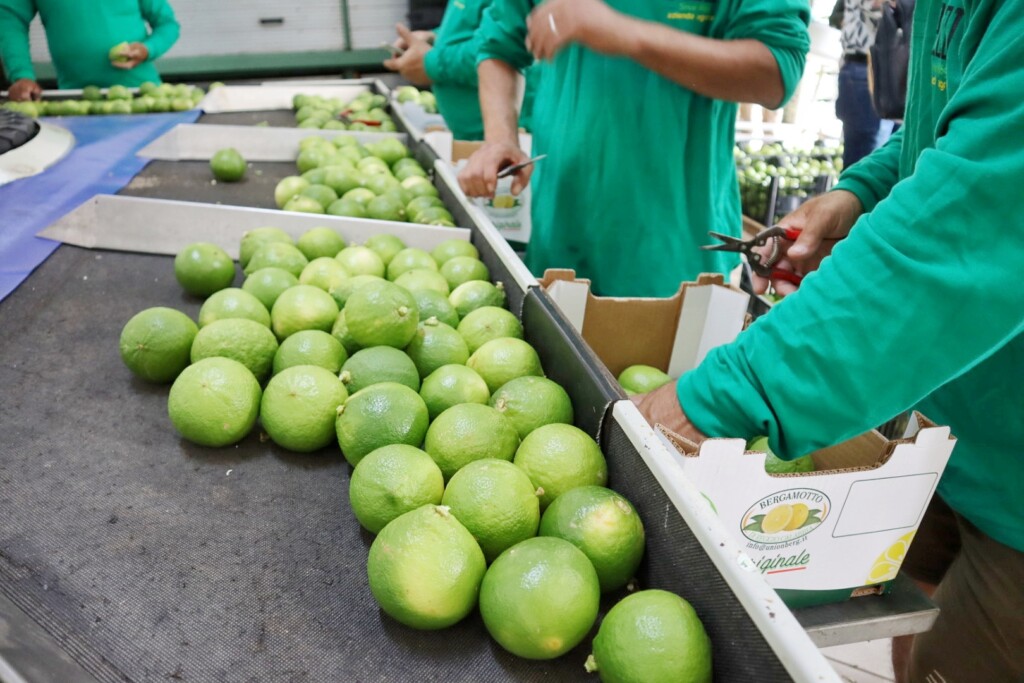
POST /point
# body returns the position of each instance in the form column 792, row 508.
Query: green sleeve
column 873, row 177
column 453, row 63
column 15, row 16
column 924, row 289
column 781, row 25
column 502, row 33
column 164, row 27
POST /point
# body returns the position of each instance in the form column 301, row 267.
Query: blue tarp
column 102, row 162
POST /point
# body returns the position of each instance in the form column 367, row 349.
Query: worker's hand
column 134, row 54
column 402, row 44
column 824, row 221
column 24, row 89
column 558, row 23
column 661, row 406
column 480, row 176
column 410, row 63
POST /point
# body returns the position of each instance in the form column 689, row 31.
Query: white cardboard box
column 829, row 535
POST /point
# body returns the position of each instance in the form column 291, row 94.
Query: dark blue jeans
column 863, row 131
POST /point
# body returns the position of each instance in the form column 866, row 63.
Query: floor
column 868, row 662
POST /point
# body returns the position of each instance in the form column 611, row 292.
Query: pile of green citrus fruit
column 379, row 180
column 365, row 112
column 117, row 99
column 466, row 465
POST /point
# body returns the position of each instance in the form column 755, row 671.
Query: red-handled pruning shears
column 759, row 263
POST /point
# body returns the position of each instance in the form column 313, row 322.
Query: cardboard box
column 672, row 334
column 509, row 214
column 833, row 534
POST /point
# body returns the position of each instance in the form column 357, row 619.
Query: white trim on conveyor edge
column 273, row 96
column 787, row 638
column 445, row 173
column 200, row 141
column 161, row 226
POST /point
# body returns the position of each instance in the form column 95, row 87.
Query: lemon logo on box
column 785, row 516
column 888, row 563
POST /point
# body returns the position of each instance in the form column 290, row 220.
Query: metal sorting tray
column 143, row 556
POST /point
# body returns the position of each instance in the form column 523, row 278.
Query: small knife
column 515, row 168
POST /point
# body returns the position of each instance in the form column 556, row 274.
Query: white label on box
column 875, row 505
column 711, row 316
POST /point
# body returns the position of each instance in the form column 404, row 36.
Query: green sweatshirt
column 80, row 35
column 921, row 304
column 639, row 169
column 451, row 65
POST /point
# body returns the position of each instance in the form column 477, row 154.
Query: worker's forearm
column 498, row 101
column 733, row 70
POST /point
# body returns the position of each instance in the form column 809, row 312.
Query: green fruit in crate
column 256, row 238
column 420, row 187
column 372, row 162
column 160, row 105
column 343, row 290
column 310, row 347
column 652, row 636
column 433, row 304
column 155, row 343
column 299, row 406
column 347, row 207
column 409, row 172
column 228, row 165
column 475, row 294
column 313, row 122
column 118, row 92
column 382, row 314
column 496, row 502
column 461, row 269
column 407, row 93
column 380, row 415
column 333, row 124
column 425, row 569
column 277, row 254
column 418, row 204
column 385, row 209
column 452, row 385
column 345, row 141
column 324, row 272
column 486, row 323
column 315, row 176
column 351, row 153
column 605, row 526
column 312, row 141
column 408, row 259
column 340, row 332
column 320, row 242
column 139, row 106
column 500, row 361
column 381, row 184
column 359, row 194
column 559, row 458
column 435, row 215
column 776, row 465
column 390, row 150
column 118, row 107
column 436, row 345
column 449, row 249
column 532, row 402
column 640, row 379
column 312, row 157
column 302, row 307
column 540, row 598
column 94, row 94
column 422, row 278
column 233, row 303
column 379, row 364
column 323, row 195
column 391, row 481
column 361, row 260
column 468, row 432
column 214, row 402
column 407, row 162
column 304, row 204
column 287, row 188
column 180, row 104
column 203, row 268
column 341, row 179
column 386, row 246
column 250, row 343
